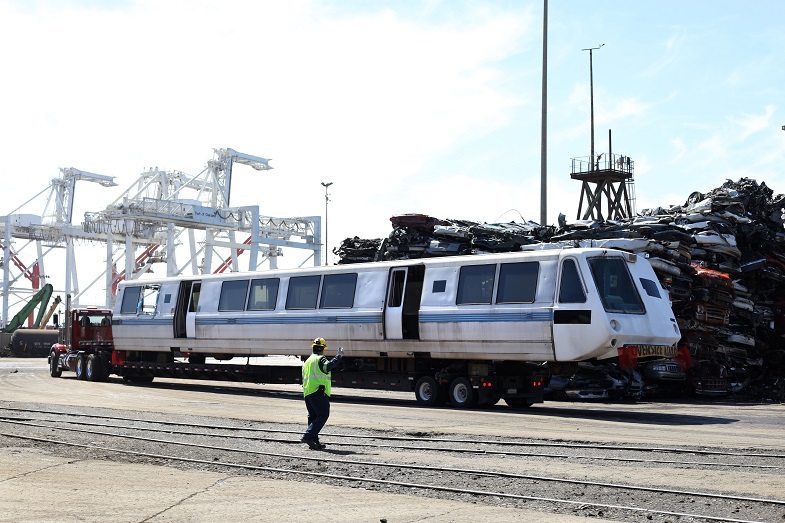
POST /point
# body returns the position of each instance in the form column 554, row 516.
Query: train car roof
column 355, row 267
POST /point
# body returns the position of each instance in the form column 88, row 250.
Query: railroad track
column 421, row 464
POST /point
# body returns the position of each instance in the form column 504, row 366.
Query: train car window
column 303, row 292
column 196, row 290
column 395, row 299
column 615, row 285
column 475, row 284
column 151, row 296
column 233, row 295
column 650, row 287
column 439, row 285
column 517, row 282
column 263, row 295
column 338, row 291
column 571, row 288
column 130, row 300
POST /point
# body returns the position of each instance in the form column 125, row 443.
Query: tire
column 81, row 367
column 106, row 366
column 137, row 378
column 93, row 369
column 54, row 365
column 462, row 393
column 428, row 392
column 518, row 403
column 490, row 402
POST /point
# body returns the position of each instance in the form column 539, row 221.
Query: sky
column 405, row 106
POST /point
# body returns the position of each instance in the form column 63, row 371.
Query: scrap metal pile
column 721, row 255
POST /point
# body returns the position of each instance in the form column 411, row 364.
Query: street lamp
column 591, row 94
column 326, row 200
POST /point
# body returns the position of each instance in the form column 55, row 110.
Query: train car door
column 572, row 314
column 402, row 307
column 185, row 311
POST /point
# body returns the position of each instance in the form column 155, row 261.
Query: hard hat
column 319, row 342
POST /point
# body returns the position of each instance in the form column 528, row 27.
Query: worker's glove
column 340, row 351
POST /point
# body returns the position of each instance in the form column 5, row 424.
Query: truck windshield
column 615, row 285
column 95, row 320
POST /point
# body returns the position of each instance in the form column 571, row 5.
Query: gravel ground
column 354, row 457
column 735, row 429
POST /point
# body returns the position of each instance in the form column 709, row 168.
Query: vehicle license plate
column 663, row 351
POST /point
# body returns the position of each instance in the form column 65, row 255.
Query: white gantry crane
column 166, row 217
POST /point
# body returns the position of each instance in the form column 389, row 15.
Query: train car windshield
column 615, row 285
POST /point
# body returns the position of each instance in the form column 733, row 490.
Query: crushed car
column 720, row 256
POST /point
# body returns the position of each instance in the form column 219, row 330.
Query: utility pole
column 326, row 200
column 591, row 94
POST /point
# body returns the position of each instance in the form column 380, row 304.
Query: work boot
column 313, row 445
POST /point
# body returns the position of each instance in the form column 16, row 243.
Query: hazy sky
column 430, row 107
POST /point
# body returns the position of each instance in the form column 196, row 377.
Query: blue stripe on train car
column 291, row 320
column 142, row 321
column 485, row 317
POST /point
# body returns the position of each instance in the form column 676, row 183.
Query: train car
column 478, row 321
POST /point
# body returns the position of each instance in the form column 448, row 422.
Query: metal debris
column 721, row 256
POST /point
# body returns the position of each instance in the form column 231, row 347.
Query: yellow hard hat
column 319, row 342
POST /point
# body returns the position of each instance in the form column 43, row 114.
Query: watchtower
column 607, row 183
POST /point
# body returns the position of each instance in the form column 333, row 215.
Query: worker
column 316, row 389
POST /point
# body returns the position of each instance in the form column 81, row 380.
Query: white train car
column 431, row 321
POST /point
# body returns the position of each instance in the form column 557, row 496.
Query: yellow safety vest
column 313, row 377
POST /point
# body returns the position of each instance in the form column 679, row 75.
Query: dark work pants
column 318, row 405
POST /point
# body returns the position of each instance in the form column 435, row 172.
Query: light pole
column 591, row 95
column 544, row 121
column 326, row 200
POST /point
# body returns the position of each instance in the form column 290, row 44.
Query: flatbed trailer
column 88, row 350
column 520, row 385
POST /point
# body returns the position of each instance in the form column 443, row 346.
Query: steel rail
column 407, row 447
column 632, row 448
column 510, row 475
column 356, row 479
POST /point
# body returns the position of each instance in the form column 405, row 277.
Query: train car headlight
column 615, row 325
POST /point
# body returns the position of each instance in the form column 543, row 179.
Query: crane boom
column 41, row 297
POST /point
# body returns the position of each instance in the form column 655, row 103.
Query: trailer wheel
column 80, row 367
column 93, row 369
column 428, row 392
column 137, row 378
column 518, row 403
column 54, row 365
column 462, row 394
column 487, row 402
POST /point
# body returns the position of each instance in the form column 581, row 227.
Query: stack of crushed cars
column 721, row 256
column 419, row 235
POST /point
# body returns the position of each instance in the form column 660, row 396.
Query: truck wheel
column 106, row 367
column 93, row 369
column 462, row 394
column 54, row 365
column 428, row 392
column 80, row 367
